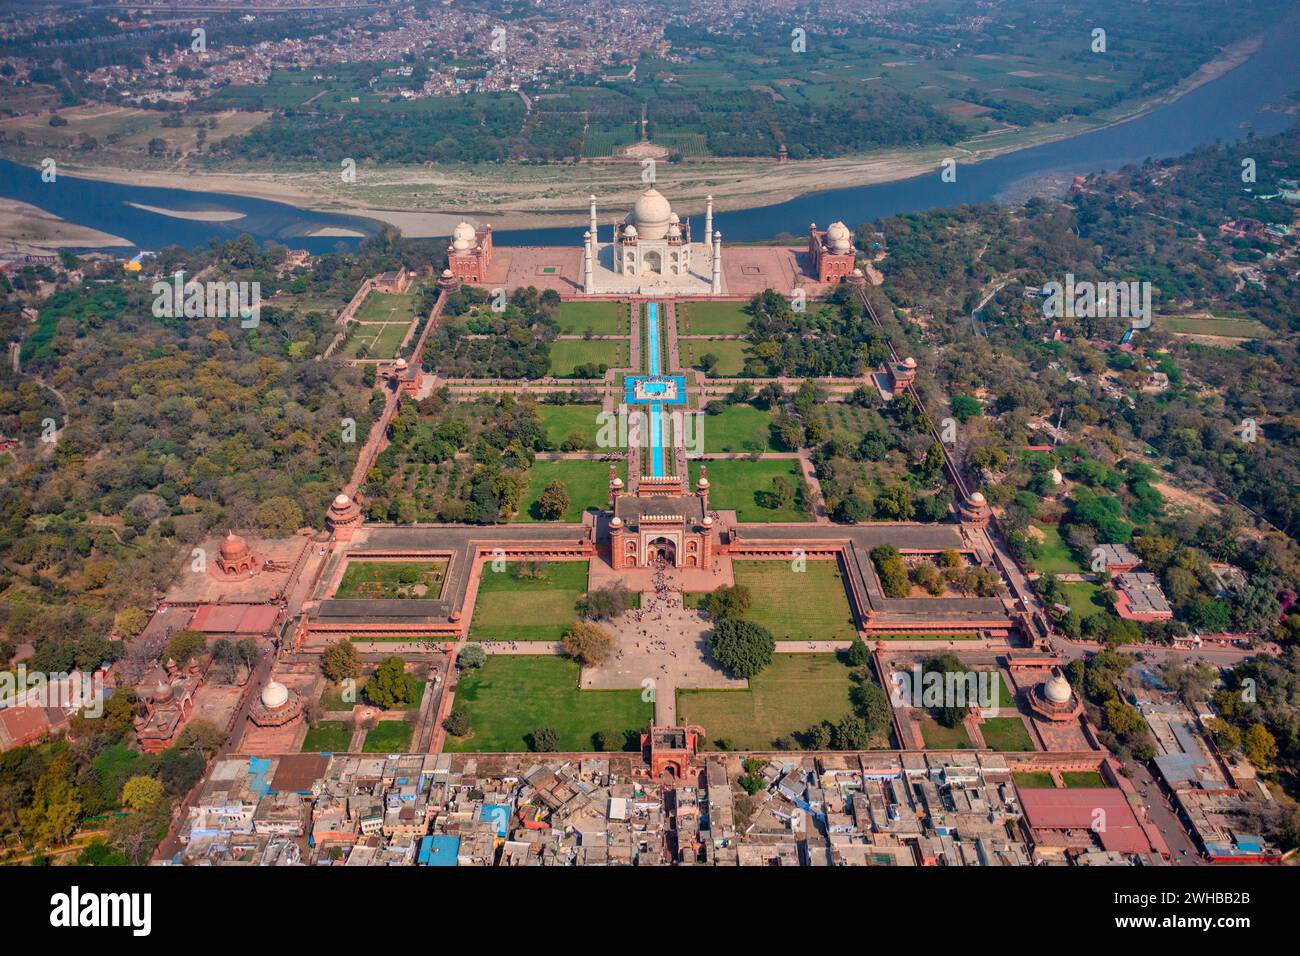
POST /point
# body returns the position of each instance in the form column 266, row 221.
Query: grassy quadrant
column 514, row 609
column 808, row 605
column 730, row 354
column 939, row 737
column 738, row 429
column 382, row 579
column 388, row 737
column 586, row 481
column 792, row 694
column 561, row 421
column 713, row 318
column 600, row 318
column 566, row 354
column 328, row 736
column 1008, row 734
column 740, row 485
column 510, row 697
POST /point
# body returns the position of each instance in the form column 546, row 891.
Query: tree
column 608, row 741
column 870, row 703
column 859, row 654
column 554, row 501
column 457, row 722
column 743, row 648
column 388, row 685
column 280, row 515
column 130, row 622
column 587, row 643
column 471, row 657
column 185, row 646
column 600, row 604
column 1259, row 746
column 340, row 661
column 852, row 508
column 141, row 793
column 852, row 733
column 727, row 601
column 892, row 570
column 544, row 740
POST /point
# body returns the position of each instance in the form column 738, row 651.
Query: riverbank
column 27, row 229
column 428, row 201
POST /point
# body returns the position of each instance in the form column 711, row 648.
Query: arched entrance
column 652, row 262
column 662, row 549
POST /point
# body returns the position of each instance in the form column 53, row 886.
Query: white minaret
column 716, row 288
column 588, row 241
column 708, row 220
column 594, row 233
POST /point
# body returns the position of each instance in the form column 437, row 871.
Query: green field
column 1054, row 556
column 386, row 307
column 738, row 429
column 939, row 737
column 514, row 609
column 376, row 340
column 509, row 697
column 331, row 697
column 1083, row 779
column 388, row 737
column 1207, row 324
column 598, row 318
column 795, row 692
column 385, row 579
column 586, row 481
column 809, row 605
column 742, row 486
column 328, row 736
column 730, row 354
column 1034, row 779
column 1079, row 596
column 561, row 421
column 1006, row 734
column 567, row 354
column 712, row 318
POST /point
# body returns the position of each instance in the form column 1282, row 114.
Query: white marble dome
column 629, row 231
column 1058, row 689
column 838, row 238
column 977, row 498
column 463, row 237
column 652, row 214
column 342, row 501
column 274, row 695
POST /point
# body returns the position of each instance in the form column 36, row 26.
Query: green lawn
column 809, row 605
column 509, row 697
column 1090, row 779
column 1033, row 779
column 1054, row 556
column 795, row 692
column 328, row 736
column 1006, row 733
column 566, row 354
column 939, row 737
column 586, row 481
column 730, row 354
column 513, row 609
column 376, row 340
column 1213, row 325
column 1079, row 596
column 599, row 318
column 738, row 429
column 331, row 697
column 741, row 485
column 561, row 421
column 712, row 318
column 388, row 737
column 392, row 579
column 386, row 307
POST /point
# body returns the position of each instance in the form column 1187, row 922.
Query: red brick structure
column 168, row 707
column 660, row 522
column 974, row 510
column 343, row 518
column 1054, row 699
column 470, row 254
column 901, row 375
column 277, row 706
column 831, row 252
column 393, row 283
column 669, row 750
column 403, row 377
column 235, row 557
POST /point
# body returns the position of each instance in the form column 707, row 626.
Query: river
column 1243, row 101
